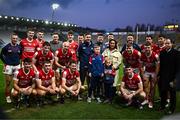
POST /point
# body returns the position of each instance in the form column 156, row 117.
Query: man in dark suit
column 167, row 74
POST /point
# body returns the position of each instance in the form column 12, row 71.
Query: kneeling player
column 24, row 80
column 71, row 80
column 46, row 82
column 132, row 87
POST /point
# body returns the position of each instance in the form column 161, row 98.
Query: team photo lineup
column 43, row 72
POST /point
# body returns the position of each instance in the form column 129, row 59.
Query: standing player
column 40, row 39
column 161, row 44
column 73, row 45
column 132, row 57
column 41, row 56
column 149, row 40
column 10, row 55
column 150, row 69
column 24, row 82
column 29, row 45
column 70, row 80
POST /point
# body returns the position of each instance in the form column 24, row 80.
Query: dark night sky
column 102, row 14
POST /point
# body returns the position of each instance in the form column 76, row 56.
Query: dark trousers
column 164, row 95
column 109, row 92
column 84, row 76
column 94, row 86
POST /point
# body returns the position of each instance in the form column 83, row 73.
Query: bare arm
column 39, row 85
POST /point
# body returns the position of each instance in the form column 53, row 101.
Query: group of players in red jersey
column 51, row 68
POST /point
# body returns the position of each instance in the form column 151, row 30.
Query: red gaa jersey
column 46, row 78
column 154, row 48
column 150, row 62
column 64, row 58
column 132, row 83
column 159, row 49
column 28, row 48
column 40, row 58
column 71, row 78
column 132, row 59
column 40, row 44
column 24, row 79
column 73, row 46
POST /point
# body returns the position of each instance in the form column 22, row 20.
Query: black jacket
column 168, row 67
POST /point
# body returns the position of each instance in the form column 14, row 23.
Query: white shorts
column 148, row 74
column 10, row 69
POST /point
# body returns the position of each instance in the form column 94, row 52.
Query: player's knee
column 41, row 93
column 34, row 92
column 62, row 91
column 143, row 94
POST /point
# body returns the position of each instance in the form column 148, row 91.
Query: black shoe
column 160, row 109
column 169, row 112
column 62, row 100
column 17, row 106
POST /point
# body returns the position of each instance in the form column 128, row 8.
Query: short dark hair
column 110, row 34
column 128, row 66
column 30, row 29
column 149, row 36
column 130, row 34
column 172, row 41
column 147, row 44
column 100, row 34
column 72, row 62
column 96, row 45
column 70, row 32
column 47, row 61
column 161, row 35
column 87, row 33
column 46, row 43
column 28, row 60
column 14, row 34
column 42, row 31
column 81, row 34
column 55, row 33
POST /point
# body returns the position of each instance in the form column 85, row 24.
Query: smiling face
column 47, row 66
column 70, row 37
column 40, row 35
column 14, row 39
column 130, row 39
column 168, row 44
column 88, row 38
column 55, row 38
column 149, row 40
column 73, row 67
column 30, row 35
column 129, row 71
column 112, row 44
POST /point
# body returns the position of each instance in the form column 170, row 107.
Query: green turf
column 80, row 110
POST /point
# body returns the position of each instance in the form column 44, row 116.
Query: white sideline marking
column 10, row 110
